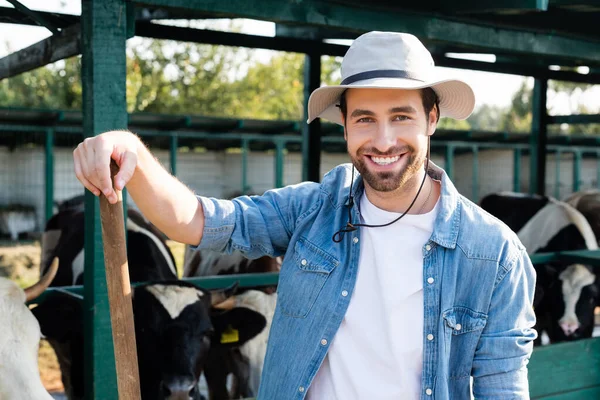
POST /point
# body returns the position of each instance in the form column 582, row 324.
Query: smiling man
column 393, row 285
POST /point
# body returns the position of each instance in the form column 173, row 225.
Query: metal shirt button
column 301, row 389
column 304, row 262
column 428, row 392
column 430, row 337
column 427, row 247
column 355, row 240
column 344, row 293
column 458, row 327
column 430, row 280
column 324, row 342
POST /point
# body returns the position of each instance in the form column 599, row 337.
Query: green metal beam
column 14, row 16
column 158, row 31
column 517, row 69
column 251, row 280
column 173, row 146
column 576, row 3
column 538, row 138
column 576, row 170
column 311, row 133
column 591, row 257
column 575, row 119
column 37, row 17
column 557, row 161
column 62, row 45
column 245, row 149
column 104, row 108
column 49, row 173
column 598, row 170
column 495, row 6
column 279, row 159
column 517, row 170
column 565, row 371
column 429, row 28
column 475, row 188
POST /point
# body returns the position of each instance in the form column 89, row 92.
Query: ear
column 344, row 126
column 60, row 317
column 235, row 327
column 432, row 121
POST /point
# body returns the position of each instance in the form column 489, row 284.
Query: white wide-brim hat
column 391, row 60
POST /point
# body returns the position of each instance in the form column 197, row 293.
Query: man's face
column 386, row 134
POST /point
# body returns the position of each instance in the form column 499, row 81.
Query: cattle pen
column 222, row 156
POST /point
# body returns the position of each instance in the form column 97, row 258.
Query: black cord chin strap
column 350, row 227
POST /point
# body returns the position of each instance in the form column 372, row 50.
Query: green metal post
column 475, row 189
column 311, row 133
column 538, row 138
column 279, row 147
column 576, row 170
column 104, row 108
column 245, row 147
column 557, row 173
column 517, row 171
column 49, row 173
column 598, row 170
column 173, row 153
column 449, row 160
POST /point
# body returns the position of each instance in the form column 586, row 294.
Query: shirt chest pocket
column 305, row 279
column 462, row 328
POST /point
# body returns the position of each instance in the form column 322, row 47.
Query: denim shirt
column 478, row 286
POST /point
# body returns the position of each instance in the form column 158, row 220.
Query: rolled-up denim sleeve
column 255, row 225
column 506, row 343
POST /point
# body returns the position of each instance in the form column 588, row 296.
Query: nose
column 569, row 327
column 385, row 137
column 179, row 390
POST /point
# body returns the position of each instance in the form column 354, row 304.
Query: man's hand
column 92, row 161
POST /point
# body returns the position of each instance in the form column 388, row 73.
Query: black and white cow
column 20, row 340
column 245, row 362
column 565, row 297
column 149, row 256
column 176, row 323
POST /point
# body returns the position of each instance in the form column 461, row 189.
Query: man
column 394, row 286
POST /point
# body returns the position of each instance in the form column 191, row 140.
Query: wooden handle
column 119, row 294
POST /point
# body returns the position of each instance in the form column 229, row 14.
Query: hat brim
column 456, row 98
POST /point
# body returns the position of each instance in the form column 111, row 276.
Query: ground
column 20, row 262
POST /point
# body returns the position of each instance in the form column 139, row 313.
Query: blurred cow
column 176, row 323
column 20, row 340
column 565, row 295
column 245, row 362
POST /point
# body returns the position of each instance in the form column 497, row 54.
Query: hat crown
column 388, row 51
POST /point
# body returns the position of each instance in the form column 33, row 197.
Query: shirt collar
column 446, row 227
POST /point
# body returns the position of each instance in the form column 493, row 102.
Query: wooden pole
column 119, row 295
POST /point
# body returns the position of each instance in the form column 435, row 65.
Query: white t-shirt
column 377, row 352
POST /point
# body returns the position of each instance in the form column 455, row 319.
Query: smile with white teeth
column 385, row 160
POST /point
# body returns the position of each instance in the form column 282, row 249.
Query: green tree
column 54, row 86
column 518, row 118
column 272, row 90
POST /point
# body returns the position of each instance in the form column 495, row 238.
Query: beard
column 392, row 180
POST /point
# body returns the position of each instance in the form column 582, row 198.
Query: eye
column 400, row 118
column 365, row 120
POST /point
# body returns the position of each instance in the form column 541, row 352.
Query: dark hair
column 428, row 96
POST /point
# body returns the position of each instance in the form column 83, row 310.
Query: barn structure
column 543, row 39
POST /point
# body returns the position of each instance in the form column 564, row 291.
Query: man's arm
column 162, row 198
column 506, row 343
